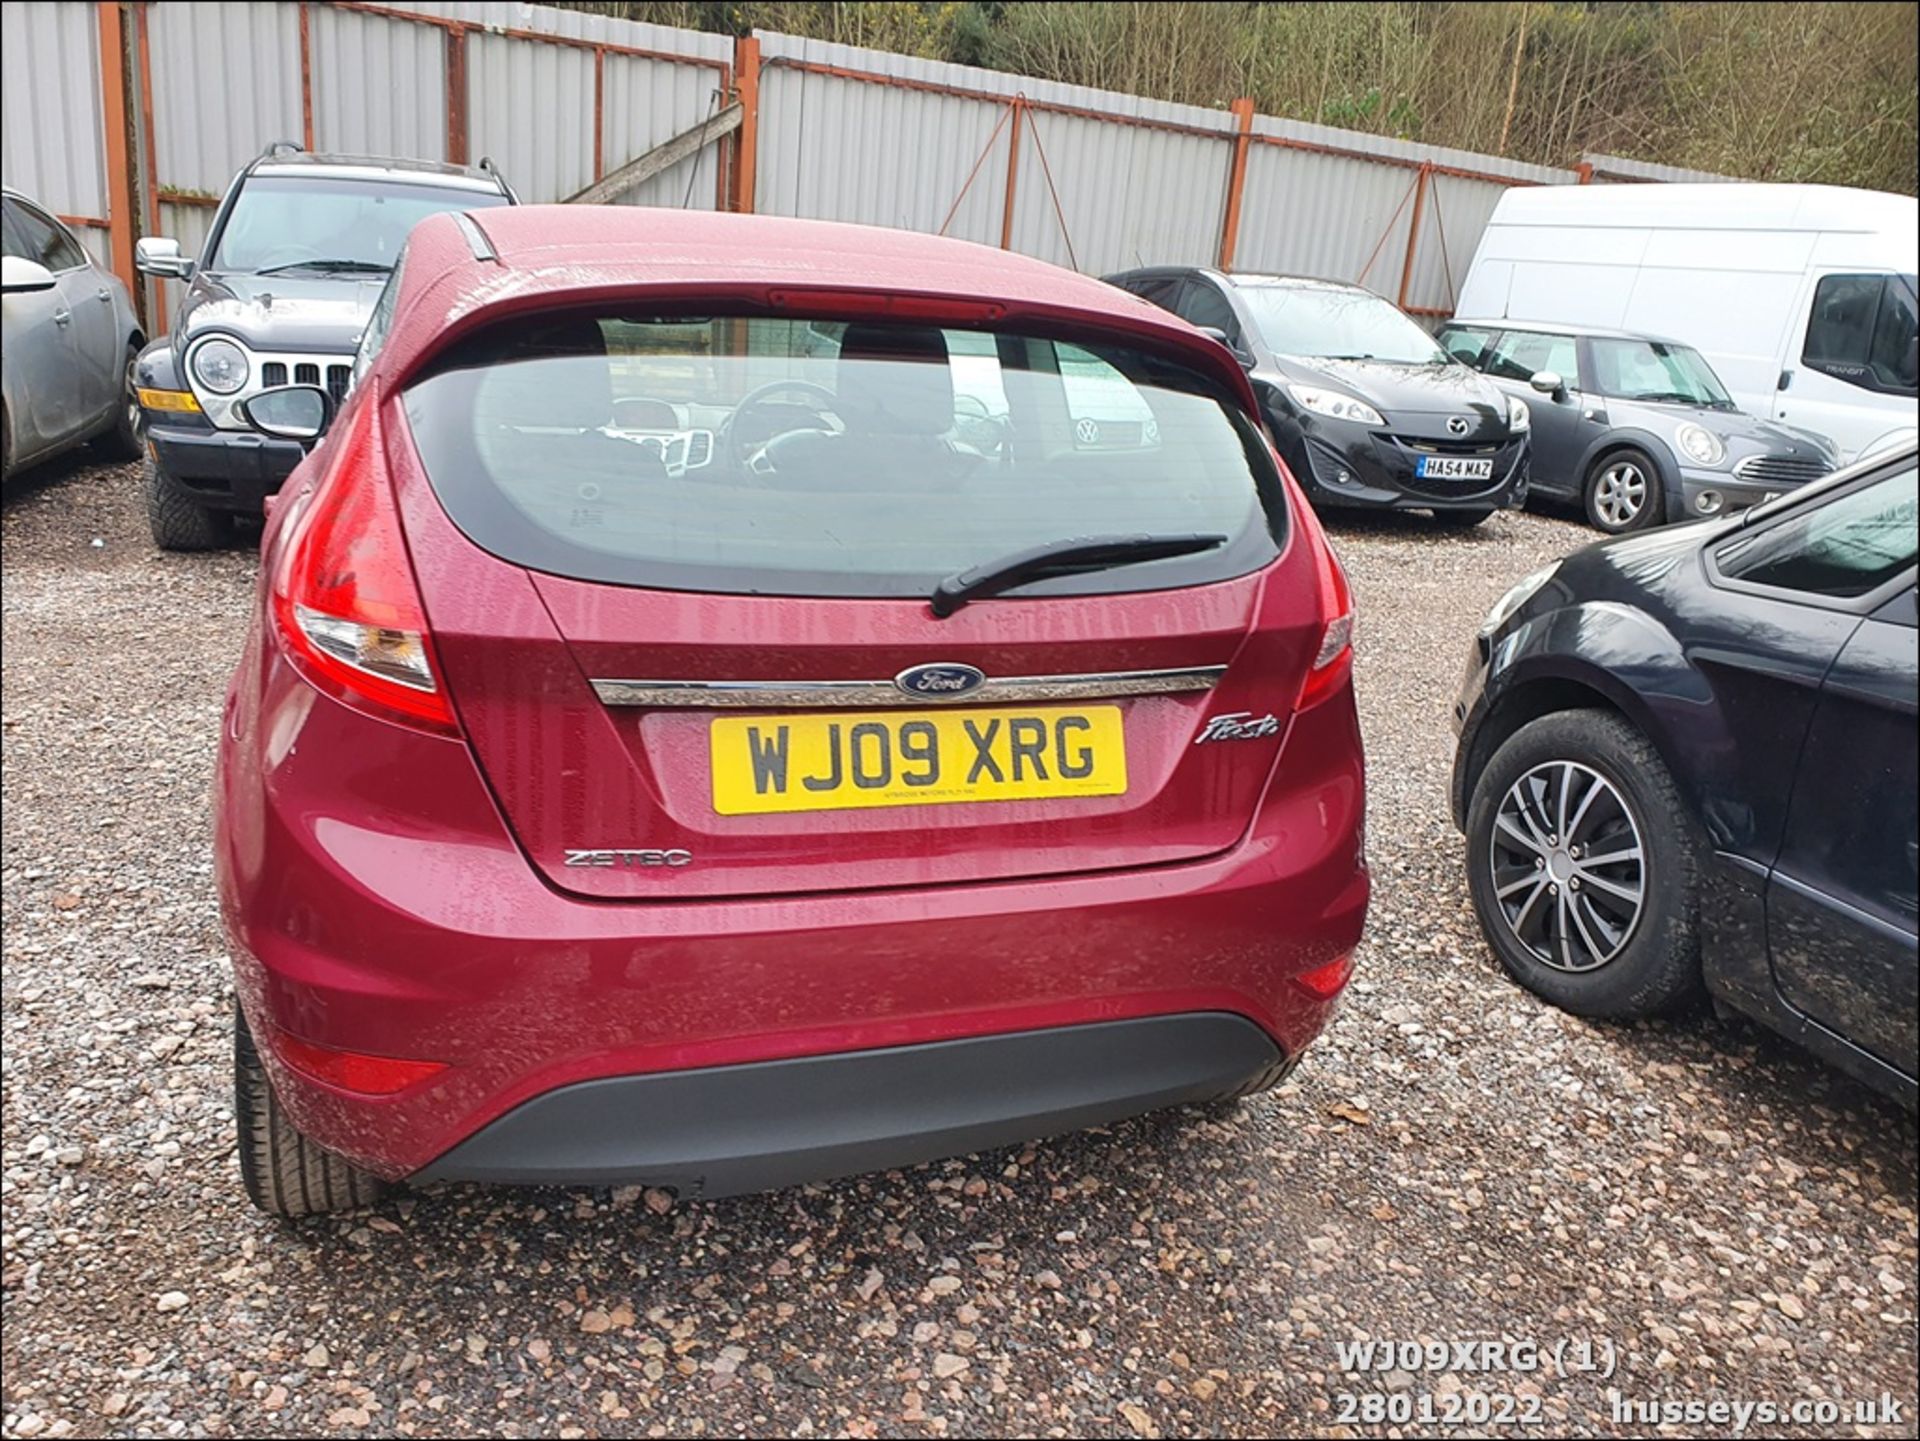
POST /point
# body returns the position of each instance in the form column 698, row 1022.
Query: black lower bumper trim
column 728, row 1130
column 226, row 469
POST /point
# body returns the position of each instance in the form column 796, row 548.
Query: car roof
column 1242, row 277
column 378, row 167
column 1554, row 327
column 462, row 269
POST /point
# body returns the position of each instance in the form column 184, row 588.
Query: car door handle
column 105, row 297
column 62, row 317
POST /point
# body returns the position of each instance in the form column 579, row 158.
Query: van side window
column 1863, row 331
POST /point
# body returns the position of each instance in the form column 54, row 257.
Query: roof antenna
column 1138, row 263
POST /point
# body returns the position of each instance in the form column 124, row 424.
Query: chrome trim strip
column 817, row 694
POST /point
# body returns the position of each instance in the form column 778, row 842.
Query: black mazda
column 1687, row 759
column 1368, row 411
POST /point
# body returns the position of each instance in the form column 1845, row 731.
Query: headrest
column 894, row 380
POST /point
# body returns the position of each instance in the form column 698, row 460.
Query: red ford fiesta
column 734, row 701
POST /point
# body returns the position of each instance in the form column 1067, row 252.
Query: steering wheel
column 737, row 441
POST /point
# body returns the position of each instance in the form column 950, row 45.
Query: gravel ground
column 1454, row 1161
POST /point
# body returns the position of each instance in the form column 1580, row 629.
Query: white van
column 1800, row 296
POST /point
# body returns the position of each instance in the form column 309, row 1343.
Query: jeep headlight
column 221, row 366
column 1504, row 608
column 1700, row 445
column 1333, row 404
column 1519, row 415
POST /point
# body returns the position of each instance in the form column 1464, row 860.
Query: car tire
column 1550, row 934
column 177, row 520
column 1460, row 519
column 284, row 1173
column 124, row 441
column 1623, row 493
column 1264, row 1080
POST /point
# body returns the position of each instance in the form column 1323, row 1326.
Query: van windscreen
column 752, row 454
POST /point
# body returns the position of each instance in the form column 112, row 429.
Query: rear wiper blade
column 1062, row 557
column 367, row 267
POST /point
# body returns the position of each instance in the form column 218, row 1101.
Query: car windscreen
column 1326, row 323
column 1653, row 370
column 754, row 454
column 318, row 223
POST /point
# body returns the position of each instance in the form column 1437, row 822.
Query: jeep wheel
column 178, row 521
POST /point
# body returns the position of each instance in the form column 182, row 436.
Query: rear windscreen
column 748, row 454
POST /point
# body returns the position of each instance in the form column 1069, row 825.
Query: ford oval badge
column 943, row 681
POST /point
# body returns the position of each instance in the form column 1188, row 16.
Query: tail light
column 1333, row 660
column 344, row 595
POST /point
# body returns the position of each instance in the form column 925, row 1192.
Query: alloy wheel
column 1620, row 495
column 1568, row 866
column 131, row 399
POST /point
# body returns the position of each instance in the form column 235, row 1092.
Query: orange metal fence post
column 599, row 112
column 1237, row 180
column 1413, row 230
column 123, row 209
column 1585, row 171
column 153, row 300
column 746, row 71
column 457, row 95
column 306, row 76
column 1013, row 172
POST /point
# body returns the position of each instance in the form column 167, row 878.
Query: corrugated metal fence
column 1103, row 181
column 129, row 117
column 52, row 146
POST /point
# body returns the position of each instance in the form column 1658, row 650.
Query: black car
column 1367, row 410
column 1636, row 428
column 1688, row 757
column 298, row 255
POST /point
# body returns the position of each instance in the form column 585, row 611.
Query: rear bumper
column 727, row 1130
column 225, row 469
column 356, row 928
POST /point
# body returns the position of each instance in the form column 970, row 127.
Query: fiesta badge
column 943, row 681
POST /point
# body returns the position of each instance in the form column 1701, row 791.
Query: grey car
column 70, row 336
column 1636, row 428
column 298, row 255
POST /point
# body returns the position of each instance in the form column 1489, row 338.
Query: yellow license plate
column 858, row 759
